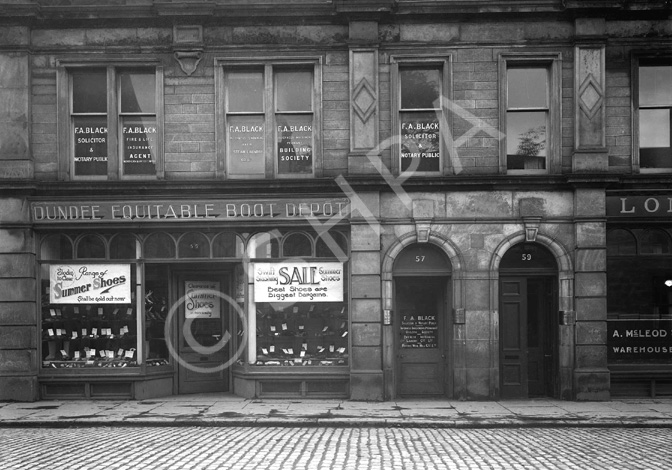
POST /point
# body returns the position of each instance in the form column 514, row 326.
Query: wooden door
column 203, row 334
column 513, row 337
column 420, row 323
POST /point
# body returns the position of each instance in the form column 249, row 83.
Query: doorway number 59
column 420, row 259
column 527, row 257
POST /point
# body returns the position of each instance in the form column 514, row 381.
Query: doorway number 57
column 420, row 259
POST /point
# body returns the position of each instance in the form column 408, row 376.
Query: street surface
column 258, row 448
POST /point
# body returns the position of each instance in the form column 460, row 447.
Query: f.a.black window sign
column 639, row 341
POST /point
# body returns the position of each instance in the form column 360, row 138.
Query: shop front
column 639, row 276
column 159, row 297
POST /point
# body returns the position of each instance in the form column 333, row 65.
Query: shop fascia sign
column 286, row 281
column 89, row 283
column 639, row 206
column 51, row 212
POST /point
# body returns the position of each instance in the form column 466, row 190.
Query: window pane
column 655, row 85
column 194, row 245
column 85, row 333
column 420, row 149
column 245, row 91
column 527, row 87
column 302, row 334
column 330, row 245
column 56, row 247
column 526, row 140
column 91, row 246
column 227, row 245
column 138, row 92
column 139, row 145
column 297, row 244
column 620, row 242
column 420, row 88
column 89, row 92
column 246, row 145
column 90, row 139
column 159, row 245
column 294, row 91
column 655, row 242
column 654, row 138
column 123, row 246
column 295, row 144
column 263, row 245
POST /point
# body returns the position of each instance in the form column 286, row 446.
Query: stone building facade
column 472, row 180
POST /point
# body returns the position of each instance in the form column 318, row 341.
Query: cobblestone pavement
column 200, row 448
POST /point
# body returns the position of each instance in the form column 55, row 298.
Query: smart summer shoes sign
column 298, row 282
column 90, row 283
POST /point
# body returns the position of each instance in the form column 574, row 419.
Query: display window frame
column 639, row 296
column 552, row 62
column 400, row 63
column 270, row 68
column 89, row 328
column 114, row 116
column 287, row 337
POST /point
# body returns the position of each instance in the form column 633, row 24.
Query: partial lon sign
column 639, row 206
column 298, row 282
column 51, row 212
column 90, row 283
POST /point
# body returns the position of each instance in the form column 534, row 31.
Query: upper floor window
column 421, row 91
column 269, row 124
column 530, row 113
column 654, row 103
column 110, row 126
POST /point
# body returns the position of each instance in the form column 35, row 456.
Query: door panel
column 420, row 346
column 203, row 333
column 513, row 329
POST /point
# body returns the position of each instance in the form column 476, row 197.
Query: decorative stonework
column 364, row 100
column 188, row 47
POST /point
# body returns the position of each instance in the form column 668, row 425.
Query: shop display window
column 157, row 306
column 303, row 334
column 639, row 274
column 83, row 332
column 300, row 330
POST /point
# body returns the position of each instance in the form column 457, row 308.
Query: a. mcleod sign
column 53, row 212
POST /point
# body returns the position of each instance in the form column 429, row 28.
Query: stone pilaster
column 591, row 375
column 364, row 95
column 15, row 106
column 18, row 310
column 366, row 319
column 590, row 152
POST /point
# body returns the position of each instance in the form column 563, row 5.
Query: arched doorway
column 528, row 322
column 422, row 327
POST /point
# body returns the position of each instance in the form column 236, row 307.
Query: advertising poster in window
column 201, row 299
column 90, row 283
column 139, row 146
column 298, row 282
column 420, row 142
column 295, row 145
column 246, row 145
column 90, row 141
